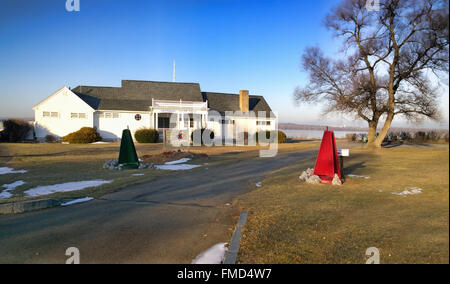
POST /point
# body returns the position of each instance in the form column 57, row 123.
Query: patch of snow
column 409, row 191
column 5, row 171
column 6, row 194
column 138, row 175
column 182, row 167
column 64, row 187
column 180, row 161
column 76, row 201
column 214, row 255
column 13, row 185
column 357, row 176
column 177, row 165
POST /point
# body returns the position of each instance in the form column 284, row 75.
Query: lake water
column 316, row 133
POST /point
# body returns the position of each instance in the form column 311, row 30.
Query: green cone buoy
column 128, row 158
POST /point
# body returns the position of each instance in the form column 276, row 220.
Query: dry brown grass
column 292, row 222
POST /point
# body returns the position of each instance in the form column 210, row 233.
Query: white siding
column 227, row 131
column 58, row 109
column 111, row 128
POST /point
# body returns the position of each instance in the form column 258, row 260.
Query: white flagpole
column 174, row 71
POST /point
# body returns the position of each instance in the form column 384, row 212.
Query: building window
column 164, row 122
column 263, row 123
column 138, row 117
column 227, row 121
column 108, row 115
column 78, row 115
column 50, row 114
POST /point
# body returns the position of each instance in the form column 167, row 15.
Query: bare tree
column 388, row 56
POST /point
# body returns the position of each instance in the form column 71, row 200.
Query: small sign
column 1, row 126
column 344, row 152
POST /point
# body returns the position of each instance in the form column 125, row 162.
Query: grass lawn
column 293, row 222
column 49, row 164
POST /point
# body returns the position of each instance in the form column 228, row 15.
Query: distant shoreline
column 294, row 126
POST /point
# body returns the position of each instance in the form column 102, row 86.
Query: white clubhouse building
column 147, row 104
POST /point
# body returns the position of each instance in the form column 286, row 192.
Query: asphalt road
column 169, row 220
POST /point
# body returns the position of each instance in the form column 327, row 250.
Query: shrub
column 50, row 139
column 420, row 137
column 281, row 136
column 363, row 137
column 202, row 132
column 146, row 135
column 392, row 137
column 433, row 136
column 351, row 137
column 83, row 136
column 405, row 136
column 15, row 130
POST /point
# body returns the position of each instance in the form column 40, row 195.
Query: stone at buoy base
column 309, row 177
column 336, row 180
column 114, row 165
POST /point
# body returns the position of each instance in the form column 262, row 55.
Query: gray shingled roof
column 230, row 102
column 137, row 96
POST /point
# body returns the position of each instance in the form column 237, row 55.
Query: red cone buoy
column 327, row 164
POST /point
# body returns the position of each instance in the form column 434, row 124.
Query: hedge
column 83, row 136
column 16, row 130
column 146, row 135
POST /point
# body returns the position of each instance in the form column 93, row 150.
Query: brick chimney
column 243, row 100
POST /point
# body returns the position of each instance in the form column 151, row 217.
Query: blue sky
column 225, row 45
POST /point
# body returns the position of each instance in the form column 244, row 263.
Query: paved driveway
column 169, row 220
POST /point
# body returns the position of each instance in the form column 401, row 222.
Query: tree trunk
column 385, row 130
column 371, row 138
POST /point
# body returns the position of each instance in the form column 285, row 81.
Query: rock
column 143, row 166
column 306, row 174
column 111, row 165
column 336, row 180
column 114, row 165
column 313, row 179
